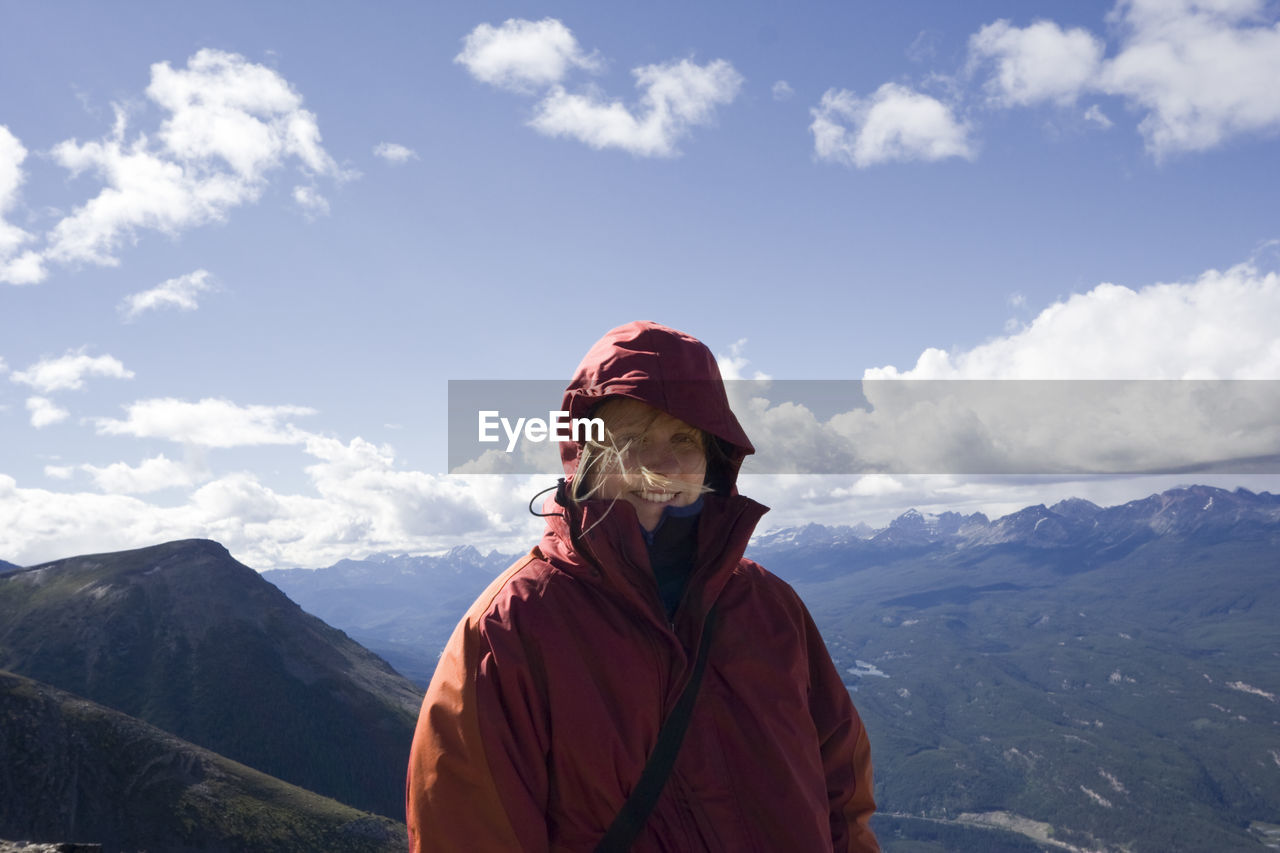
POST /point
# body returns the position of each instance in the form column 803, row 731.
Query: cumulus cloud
column 536, row 56
column 1204, row 70
column 68, row 372
column 782, row 91
column 230, row 124
column 209, row 423
column 151, row 475
column 675, row 97
column 988, row 410
column 45, row 412
column 15, row 268
column 895, row 123
column 408, row 503
column 1042, row 62
column 1222, row 325
column 362, row 502
column 1199, row 71
column 394, row 153
column 523, row 55
column 180, row 293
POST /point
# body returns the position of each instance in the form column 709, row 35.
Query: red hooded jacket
column 553, row 688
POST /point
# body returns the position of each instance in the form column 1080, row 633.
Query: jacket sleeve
column 477, row 777
column 846, row 751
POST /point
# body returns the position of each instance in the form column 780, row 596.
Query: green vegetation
column 1132, row 705
column 186, row 638
column 76, row 770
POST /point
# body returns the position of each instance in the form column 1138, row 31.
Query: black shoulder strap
column 631, row 819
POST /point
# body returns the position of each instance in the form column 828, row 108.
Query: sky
column 244, row 248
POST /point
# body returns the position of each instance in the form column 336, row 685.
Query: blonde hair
column 596, row 458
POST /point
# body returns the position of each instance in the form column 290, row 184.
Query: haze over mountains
column 1065, row 677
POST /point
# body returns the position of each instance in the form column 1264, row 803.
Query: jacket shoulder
column 525, row 582
column 752, row 572
column 764, row 584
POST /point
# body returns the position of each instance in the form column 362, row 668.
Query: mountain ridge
column 188, row 639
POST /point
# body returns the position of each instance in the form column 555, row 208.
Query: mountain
column 1091, row 678
column 1103, row 678
column 8, row 567
column 77, row 770
column 186, row 638
column 404, row 608
column 1073, row 535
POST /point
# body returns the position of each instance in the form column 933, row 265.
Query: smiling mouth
column 656, row 497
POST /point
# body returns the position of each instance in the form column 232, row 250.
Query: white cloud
column 209, row 422
column 362, row 503
column 180, row 293
column 1220, row 326
column 782, row 91
column 1223, row 325
column 1200, row 71
column 67, row 373
column 59, row 472
column 1203, row 71
column 676, row 96
column 734, row 365
column 14, row 268
column 394, row 153
column 224, row 108
column 1042, row 62
column 45, row 412
column 12, row 153
column 396, row 503
column 151, row 475
column 230, row 124
column 895, row 123
column 312, row 203
column 523, row 55
column 1098, row 117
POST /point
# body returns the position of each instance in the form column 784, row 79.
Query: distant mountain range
column 403, row 608
column 1107, row 678
column 185, row 638
column 1064, row 677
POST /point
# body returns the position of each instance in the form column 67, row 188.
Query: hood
column 668, row 370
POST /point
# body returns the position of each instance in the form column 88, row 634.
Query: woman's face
column 668, row 447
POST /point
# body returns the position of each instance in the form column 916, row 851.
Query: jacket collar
column 601, row 542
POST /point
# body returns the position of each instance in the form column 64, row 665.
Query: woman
column 550, row 696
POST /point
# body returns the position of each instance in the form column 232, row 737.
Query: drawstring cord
column 559, row 485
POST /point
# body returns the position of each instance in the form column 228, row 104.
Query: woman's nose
column 661, row 458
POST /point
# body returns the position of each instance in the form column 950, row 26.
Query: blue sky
column 242, row 250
